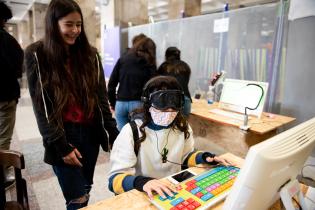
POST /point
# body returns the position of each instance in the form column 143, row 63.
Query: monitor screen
column 269, row 165
column 238, row 94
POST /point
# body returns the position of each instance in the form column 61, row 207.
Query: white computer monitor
column 238, row 94
column 270, row 165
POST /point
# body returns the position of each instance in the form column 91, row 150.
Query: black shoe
column 9, row 183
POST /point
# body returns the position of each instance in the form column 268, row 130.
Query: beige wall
column 176, row 8
column 24, row 34
column 89, row 19
column 39, row 12
column 135, row 11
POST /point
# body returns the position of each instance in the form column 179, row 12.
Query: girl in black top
column 131, row 72
column 174, row 66
column 69, row 96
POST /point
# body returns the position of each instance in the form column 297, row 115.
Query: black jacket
column 54, row 138
column 11, row 60
column 131, row 72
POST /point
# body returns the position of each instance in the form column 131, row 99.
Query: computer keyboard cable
column 308, row 181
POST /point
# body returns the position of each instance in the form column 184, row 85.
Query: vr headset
column 165, row 99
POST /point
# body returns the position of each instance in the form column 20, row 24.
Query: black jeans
column 75, row 181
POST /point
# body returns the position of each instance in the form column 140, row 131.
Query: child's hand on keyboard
column 212, row 159
column 222, row 161
column 159, row 187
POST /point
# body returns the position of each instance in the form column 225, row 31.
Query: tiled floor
column 43, row 189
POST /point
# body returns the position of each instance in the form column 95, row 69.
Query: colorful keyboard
column 201, row 191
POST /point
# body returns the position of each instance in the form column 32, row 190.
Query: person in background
column 165, row 146
column 131, row 72
column 68, row 91
column 135, row 39
column 174, row 66
column 11, row 62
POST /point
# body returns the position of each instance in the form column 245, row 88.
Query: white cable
column 41, row 86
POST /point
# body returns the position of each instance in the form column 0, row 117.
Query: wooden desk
column 225, row 131
column 135, row 200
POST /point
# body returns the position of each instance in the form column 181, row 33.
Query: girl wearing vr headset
column 165, row 146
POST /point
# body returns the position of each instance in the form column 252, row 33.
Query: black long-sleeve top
column 54, row 137
column 131, row 72
column 11, row 62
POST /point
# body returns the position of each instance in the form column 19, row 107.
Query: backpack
column 135, row 134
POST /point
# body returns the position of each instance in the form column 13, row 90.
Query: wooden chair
column 15, row 159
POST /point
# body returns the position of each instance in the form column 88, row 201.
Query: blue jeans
column 122, row 110
column 187, row 106
column 76, row 182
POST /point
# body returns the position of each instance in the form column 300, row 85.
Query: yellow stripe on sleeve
column 117, row 183
column 192, row 159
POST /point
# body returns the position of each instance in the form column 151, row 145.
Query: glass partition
column 248, row 49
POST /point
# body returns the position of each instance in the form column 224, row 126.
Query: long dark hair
column 174, row 68
column 173, row 65
column 172, row 53
column 155, row 84
column 137, row 38
column 145, row 48
column 78, row 85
